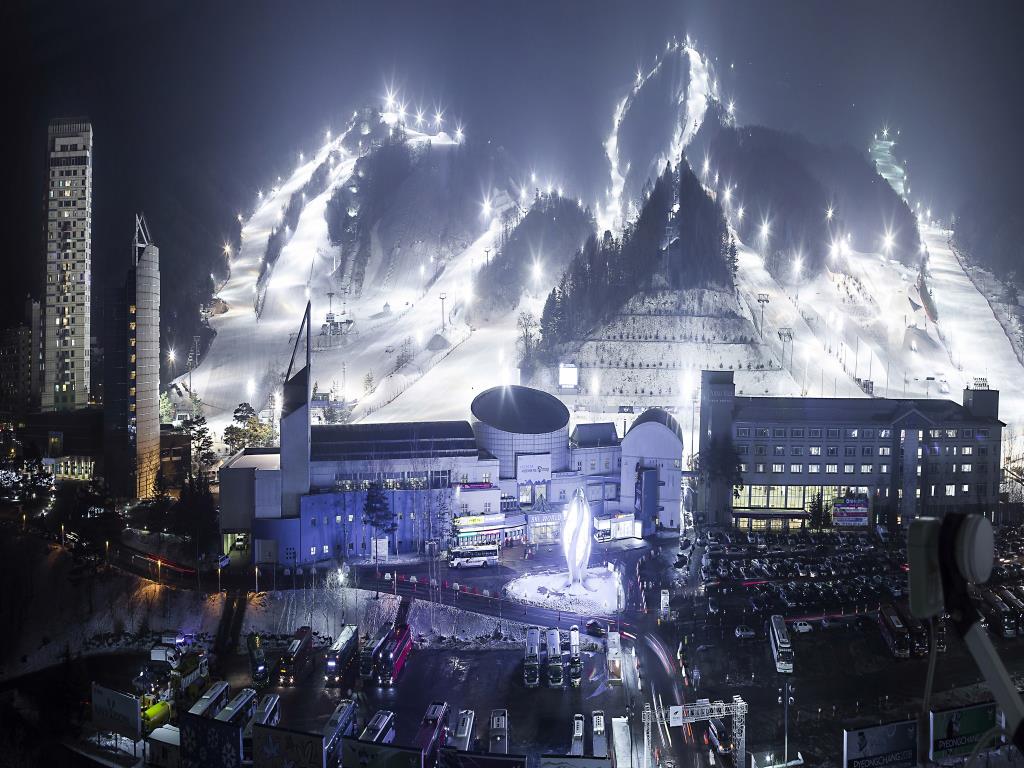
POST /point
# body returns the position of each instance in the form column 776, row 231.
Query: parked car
column 743, row 632
column 596, row 628
column 802, row 627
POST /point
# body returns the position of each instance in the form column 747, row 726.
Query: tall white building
column 68, row 302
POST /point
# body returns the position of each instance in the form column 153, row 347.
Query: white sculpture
column 577, row 537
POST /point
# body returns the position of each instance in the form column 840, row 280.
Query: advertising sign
column 533, row 467
column 116, row 712
column 954, row 732
column 568, row 376
column 209, row 743
column 675, row 715
column 850, row 511
column 371, row 754
column 284, row 748
column 891, row 745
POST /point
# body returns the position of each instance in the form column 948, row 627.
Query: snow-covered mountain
column 388, row 226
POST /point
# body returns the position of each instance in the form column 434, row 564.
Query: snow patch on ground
column 597, row 595
column 325, row 609
column 82, row 610
column 446, row 624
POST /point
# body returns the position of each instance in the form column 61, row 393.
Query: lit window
column 814, row 450
column 337, row 519
column 796, row 468
column 848, row 469
column 325, row 549
column 831, row 469
column 866, row 469
column 312, row 551
column 813, row 469
column 951, row 490
column 965, row 467
column 778, row 467
column 967, row 450
column 351, row 518
column 883, row 468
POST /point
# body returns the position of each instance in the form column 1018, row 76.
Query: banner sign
column 891, row 745
column 533, row 468
column 955, row 731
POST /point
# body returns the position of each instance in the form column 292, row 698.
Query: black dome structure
column 523, row 410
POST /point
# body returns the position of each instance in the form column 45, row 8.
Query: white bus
column 497, row 734
column 463, row 736
column 473, row 555
column 782, row 649
column 575, row 660
column 622, row 743
column 578, row 727
column 614, row 659
column 600, row 736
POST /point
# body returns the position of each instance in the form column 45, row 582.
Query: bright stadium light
column 250, row 388
column 327, row 134
column 171, row 355
column 459, row 135
column 577, row 537
column 728, row 194
column 888, row 241
column 537, row 270
column 438, row 119
column 829, row 213
column 765, row 229
column 485, row 207
column 419, row 118
column 389, row 98
column 739, row 213
column 227, row 249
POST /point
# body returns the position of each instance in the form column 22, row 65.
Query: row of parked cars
column 833, row 566
column 824, row 595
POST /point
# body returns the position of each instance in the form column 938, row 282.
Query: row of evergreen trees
column 549, row 234
column 687, row 248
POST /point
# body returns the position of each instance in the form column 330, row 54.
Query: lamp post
column 443, row 297
column 257, row 579
column 762, row 299
column 158, row 565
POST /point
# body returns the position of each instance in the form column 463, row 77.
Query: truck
column 257, row 661
column 168, row 654
column 189, row 680
column 600, row 735
column 575, row 660
column 156, row 714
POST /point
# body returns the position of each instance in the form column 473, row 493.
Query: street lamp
column 829, row 213
column 257, row 579
column 158, row 565
column 443, row 297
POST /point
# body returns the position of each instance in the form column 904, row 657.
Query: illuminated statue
column 577, row 536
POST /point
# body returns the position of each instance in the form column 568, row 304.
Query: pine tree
column 377, row 514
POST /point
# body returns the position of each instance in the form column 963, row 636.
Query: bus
column 369, row 656
column 380, row 729
column 531, row 662
column 497, row 733
column 782, row 648
column 211, row 702
column 575, row 660
column 294, row 660
column 614, row 658
column 240, row 709
column 894, row 631
column 341, row 657
column 396, row 652
column 268, row 712
column 622, row 743
column 257, row 660
column 340, row 723
column 1001, row 619
column 600, row 736
column 433, row 733
column 915, row 628
column 578, row 728
column 556, row 672
column 473, row 555
column 462, row 739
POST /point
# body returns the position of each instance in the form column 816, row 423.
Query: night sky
column 196, row 105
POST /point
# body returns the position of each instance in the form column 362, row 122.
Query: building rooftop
column 853, row 409
column 394, row 440
column 521, row 410
column 658, row 416
column 598, row 435
column 258, row 458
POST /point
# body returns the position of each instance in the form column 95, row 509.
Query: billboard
column 453, row 758
column 892, row 745
column 954, row 732
column 850, row 511
column 209, row 743
column 568, row 376
column 116, row 712
column 284, row 748
column 371, row 754
column 533, row 467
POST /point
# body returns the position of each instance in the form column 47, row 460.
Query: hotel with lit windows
column 872, row 460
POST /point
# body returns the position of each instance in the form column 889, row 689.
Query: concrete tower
column 68, row 302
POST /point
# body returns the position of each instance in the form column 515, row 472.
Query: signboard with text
column 276, row 747
column 892, row 745
column 954, row 732
column 533, row 468
column 116, row 712
column 850, row 511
